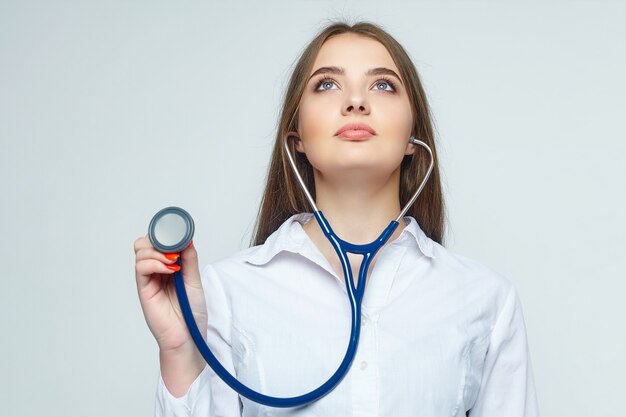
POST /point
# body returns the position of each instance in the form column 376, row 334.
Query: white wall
column 112, row 110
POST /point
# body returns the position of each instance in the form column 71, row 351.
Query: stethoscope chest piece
column 171, row 230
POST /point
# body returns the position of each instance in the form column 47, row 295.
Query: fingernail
column 172, row 256
column 190, row 244
column 173, row 267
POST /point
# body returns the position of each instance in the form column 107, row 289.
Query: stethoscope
column 171, row 230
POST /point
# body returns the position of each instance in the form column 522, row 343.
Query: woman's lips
column 355, row 134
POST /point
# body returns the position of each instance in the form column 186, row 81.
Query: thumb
column 189, row 263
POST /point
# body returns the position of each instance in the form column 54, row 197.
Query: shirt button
column 364, row 321
column 363, row 365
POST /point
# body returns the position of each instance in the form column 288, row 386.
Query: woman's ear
column 410, row 147
column 297, row 141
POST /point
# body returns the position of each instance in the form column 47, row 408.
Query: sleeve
column 195, row 402
column 208, row 395
column 507, row 387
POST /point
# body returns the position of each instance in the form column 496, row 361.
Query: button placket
column 364, row 371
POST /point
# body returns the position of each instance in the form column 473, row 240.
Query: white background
column 111, row 110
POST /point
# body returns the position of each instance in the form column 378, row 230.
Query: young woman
column 442, row 335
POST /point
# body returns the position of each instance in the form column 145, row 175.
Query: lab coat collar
column 291, row 237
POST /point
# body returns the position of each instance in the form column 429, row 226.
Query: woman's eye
column 325, row 84
column 384, row 84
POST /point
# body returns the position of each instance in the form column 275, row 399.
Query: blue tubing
column 355, row 295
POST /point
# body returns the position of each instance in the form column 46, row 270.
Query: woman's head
column 354, row 80
column 392, row 102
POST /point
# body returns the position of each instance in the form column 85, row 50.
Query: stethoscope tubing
column 355, row 296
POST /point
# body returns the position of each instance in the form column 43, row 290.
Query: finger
column 191, row 272
column 145, row 269
column 151, row 253
column 142, row 242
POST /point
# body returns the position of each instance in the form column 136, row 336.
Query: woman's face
column 354, row 80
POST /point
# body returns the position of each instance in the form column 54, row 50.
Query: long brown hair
column 283, row 197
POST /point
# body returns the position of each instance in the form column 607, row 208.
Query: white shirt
column 442, row 335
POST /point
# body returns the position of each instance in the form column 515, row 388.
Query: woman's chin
column 357, row 172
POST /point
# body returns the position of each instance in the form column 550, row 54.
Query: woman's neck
column 358, row 213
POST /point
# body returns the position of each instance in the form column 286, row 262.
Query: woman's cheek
column 311, row 119
column 400, row 119
column 317, row 157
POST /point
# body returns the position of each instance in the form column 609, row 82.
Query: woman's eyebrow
column 341, row 71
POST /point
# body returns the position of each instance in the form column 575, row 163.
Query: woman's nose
column 355, row 103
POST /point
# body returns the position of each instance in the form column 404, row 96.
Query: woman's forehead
column 353, row 53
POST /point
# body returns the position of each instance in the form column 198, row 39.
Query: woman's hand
column 154, row 272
